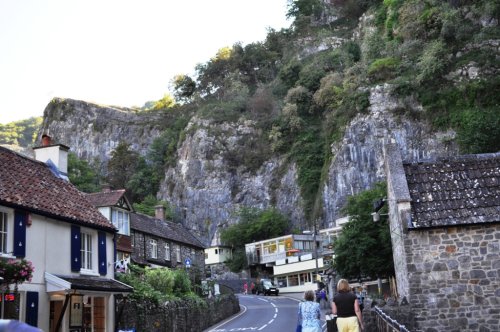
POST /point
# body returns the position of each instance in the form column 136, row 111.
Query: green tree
column 148, row 204
column 184, row 87
column 254, row 225
column 122, row 166
column 165, row 103
column 82, row 175
column 364, row 249
column 22, row 133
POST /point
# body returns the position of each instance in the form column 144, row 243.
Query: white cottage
column 48, row 221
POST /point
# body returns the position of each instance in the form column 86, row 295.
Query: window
column 120, row 219
column 178, row 253
column 167, row 252
column 9, row 305
column 3, row 232
column 86, row 251
column 154, row 248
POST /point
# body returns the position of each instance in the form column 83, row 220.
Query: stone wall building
column 444, row 218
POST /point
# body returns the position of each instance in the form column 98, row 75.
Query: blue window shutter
column 76, row 264
column 20, row 234
column 102, row 253
column 32, row 308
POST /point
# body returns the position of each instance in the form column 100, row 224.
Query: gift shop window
column 87, row 313
column 9, row 305
column 86, row 251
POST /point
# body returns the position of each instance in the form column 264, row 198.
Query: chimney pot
column 46, row 140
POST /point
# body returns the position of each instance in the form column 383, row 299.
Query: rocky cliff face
column 91, row 130
column 357, row 160
column 207, row 191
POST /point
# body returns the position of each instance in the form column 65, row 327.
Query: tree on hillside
column 254, row 225
column 184, row 87
column 122, row 166
column 22, row 133
column 82, row 175
column 364, row 249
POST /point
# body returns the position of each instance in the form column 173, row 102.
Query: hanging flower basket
column 14, row 271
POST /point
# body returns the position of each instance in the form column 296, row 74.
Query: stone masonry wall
column 454, row 278
column 142, row 252
column 179, row 316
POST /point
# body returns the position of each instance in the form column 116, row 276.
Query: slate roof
column 458, row 191
column 164, row 229
column 30, row 185
column 96, row 284
column 106, row 198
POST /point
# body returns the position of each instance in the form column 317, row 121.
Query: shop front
column 82, row 303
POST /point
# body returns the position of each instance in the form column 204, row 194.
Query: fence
column 386, row 324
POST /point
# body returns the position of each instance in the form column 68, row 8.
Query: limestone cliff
column 92, row 130
column 207, row 192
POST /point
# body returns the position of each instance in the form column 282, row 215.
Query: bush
column 432, row 62
column 478, row 130
column 383, row 69
column 289, row 73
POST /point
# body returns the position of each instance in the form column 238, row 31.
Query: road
column 262, row 313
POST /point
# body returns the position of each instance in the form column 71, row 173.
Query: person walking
column 309, row 313
column 346, row 306
column 245, row 288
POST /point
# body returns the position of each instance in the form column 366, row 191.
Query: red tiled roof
column 106, row 198
column 30, row 185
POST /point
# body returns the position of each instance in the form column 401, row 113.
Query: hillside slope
column 299, row 121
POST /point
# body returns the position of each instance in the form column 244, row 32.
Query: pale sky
column 115, row 52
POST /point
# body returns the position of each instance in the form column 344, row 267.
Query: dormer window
column 120, row 220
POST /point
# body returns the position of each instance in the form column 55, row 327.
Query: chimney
column 160, row 212
column 106, row 188
column 55, row 155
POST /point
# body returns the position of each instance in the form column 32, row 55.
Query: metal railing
column 386, row 324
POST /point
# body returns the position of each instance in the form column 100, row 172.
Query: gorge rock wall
column 91, row 130
column 207, row 191
column 357, row 160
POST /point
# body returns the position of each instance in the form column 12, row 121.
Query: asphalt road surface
column 262, row 313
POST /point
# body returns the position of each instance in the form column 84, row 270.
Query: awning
column 58, row 283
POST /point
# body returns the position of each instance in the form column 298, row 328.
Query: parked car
column 266, row 287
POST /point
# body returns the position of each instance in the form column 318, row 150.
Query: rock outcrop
column 207, row 191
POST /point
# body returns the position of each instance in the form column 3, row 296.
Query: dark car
column 266, row 287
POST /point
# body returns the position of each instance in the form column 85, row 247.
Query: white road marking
column 230, row 319
column 263, row 326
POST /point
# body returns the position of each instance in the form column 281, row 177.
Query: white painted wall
column 300, row 266
column 213, row 258
column 48, row 247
